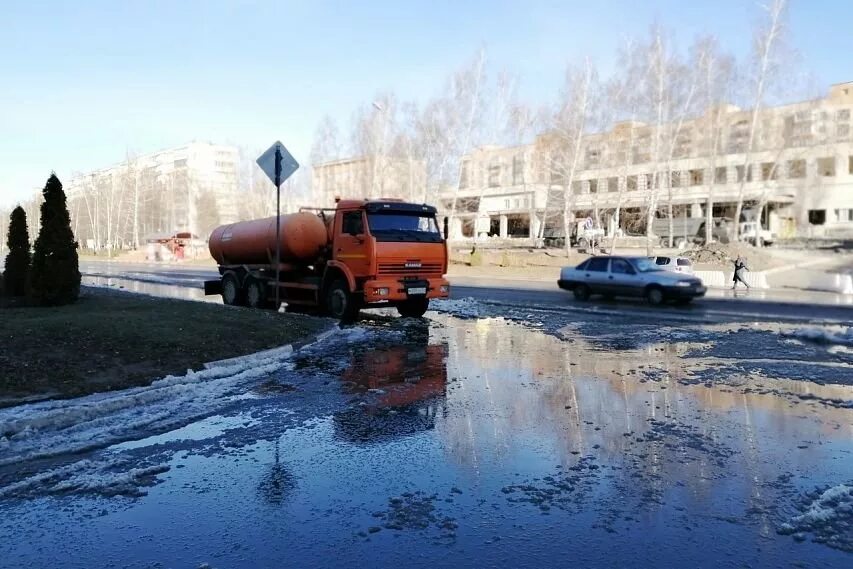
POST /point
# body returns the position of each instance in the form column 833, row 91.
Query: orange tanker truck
column 359, row 254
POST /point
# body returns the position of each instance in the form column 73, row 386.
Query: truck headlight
column 444, row 289
column 381, row 291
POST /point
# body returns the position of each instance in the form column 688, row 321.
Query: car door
column 351, row 243
column 595, row 274
column 623, row 278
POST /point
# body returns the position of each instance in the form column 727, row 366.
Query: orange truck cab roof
column 387, row 204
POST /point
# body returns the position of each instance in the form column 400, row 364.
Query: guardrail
column 721, row 279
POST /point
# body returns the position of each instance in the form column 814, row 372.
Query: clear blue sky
column 81, row 83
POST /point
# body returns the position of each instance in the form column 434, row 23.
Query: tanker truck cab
column 390, row 253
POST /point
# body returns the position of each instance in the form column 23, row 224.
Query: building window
column 826, row 166
column 526, row 203
column 518, row 170
column 517, row 203
column 631, row 183
column 842, row 131
column 817, row 216
column 843, row 115
column 750, row 173
column 180, row 163
column 796, row 169
column 843, row 215
column 739, row 169
column 769, row 171
column 738, row 136
column 463, row 177
column 593, row 186
column 593, row 157
column 613, row 183
column 721, row 175
column 675, row 179
column 494, row 175
column 577, row 187
column 506, row 204
column 850, row 164
column 697, row 177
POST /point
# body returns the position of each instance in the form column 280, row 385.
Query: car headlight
column 684, row 283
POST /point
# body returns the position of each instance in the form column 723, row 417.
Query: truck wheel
column 340, row 303
column 232, row 293
column 256, row 294
column 413, row 308
column 654, row 295
column 581, row 292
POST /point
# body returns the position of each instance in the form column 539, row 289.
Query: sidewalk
column 545, row 278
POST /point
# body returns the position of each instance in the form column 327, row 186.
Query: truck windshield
column 395, row 226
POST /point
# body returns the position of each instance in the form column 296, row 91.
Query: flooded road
column 479, row 436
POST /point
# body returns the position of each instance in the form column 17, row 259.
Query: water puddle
column 484, row 441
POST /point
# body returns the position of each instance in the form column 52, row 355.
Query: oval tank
column 303, row 236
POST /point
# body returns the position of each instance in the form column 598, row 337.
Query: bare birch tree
column 561, row 149
column 763, row 70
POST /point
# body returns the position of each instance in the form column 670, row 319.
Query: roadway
column 782, row 305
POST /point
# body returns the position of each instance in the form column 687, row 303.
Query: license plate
column 417, row 290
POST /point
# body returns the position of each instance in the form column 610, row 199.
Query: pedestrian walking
column 739, row 276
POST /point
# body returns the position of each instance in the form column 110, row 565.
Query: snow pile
column 460, row 307
column 842, row 335
column 827, row 515
column 54, row 428
column 106, row 478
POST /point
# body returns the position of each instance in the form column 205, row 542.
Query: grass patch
column 111, row 340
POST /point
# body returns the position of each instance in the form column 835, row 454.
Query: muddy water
column 475, row 442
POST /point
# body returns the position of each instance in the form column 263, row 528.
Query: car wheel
column 232, row 293
column 654, row 295
column 340, row 303
column 256, row 294
column 582, row 292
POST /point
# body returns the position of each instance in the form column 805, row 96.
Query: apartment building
column 800, row 179
column 185, row 189
column 369, row 177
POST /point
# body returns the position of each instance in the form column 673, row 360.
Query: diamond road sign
column 266, row 161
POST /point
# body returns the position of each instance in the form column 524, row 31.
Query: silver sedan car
column 629, row 276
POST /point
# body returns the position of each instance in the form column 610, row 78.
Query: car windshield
column 395, row 226
column 645, row 265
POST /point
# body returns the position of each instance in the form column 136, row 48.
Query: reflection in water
column 410, row 379
column 637, row 410
column 277, row 483
column 163, row 290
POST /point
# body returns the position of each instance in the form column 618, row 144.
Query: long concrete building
column 800, row 177
column 368, row 177
column 182, row 189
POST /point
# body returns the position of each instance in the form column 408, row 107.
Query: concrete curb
column 832, row 282
column 721, row 279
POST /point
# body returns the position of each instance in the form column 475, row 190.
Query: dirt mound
column 724, row 254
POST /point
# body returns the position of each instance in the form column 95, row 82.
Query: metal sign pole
column 277, row 225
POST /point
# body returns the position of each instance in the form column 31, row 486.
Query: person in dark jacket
column 739, row 275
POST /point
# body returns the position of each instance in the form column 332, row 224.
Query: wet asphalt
column 484, row 435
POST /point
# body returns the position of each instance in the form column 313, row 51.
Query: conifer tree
column 16, row 274
column 55, row 275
